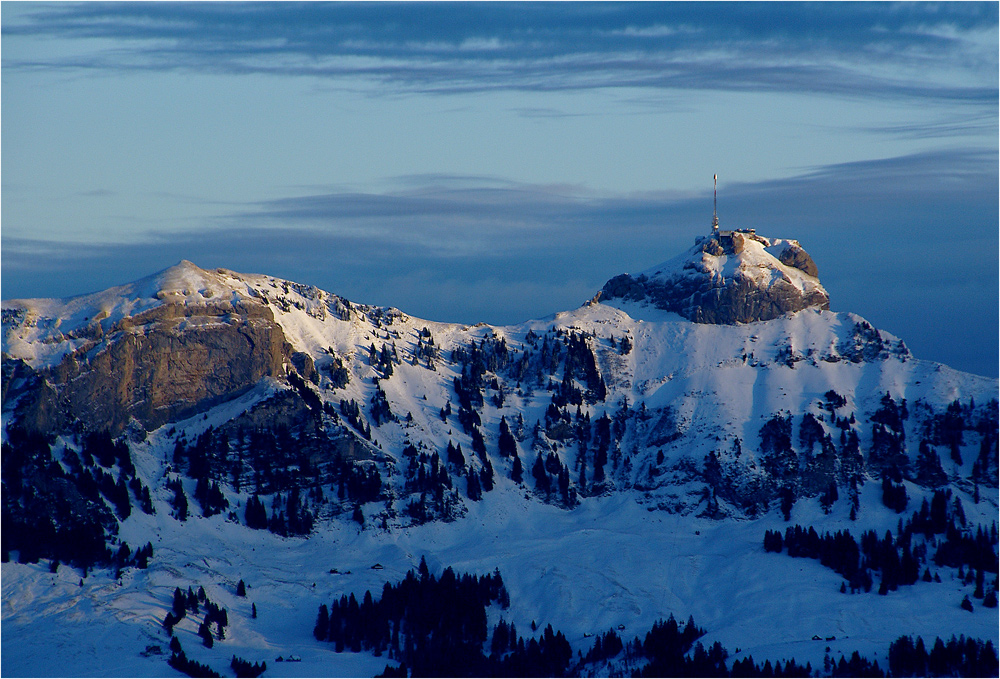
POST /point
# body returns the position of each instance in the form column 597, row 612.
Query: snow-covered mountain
column 618, row 462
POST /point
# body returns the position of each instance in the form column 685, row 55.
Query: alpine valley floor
column 608, row 562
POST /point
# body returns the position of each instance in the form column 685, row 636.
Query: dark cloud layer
column 909, row 243
column 850, row 49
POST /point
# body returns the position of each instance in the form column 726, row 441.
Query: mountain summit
column 728, row 277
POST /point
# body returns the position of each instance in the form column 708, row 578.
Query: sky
column 473, row 162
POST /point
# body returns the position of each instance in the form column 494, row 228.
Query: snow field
column 606, row 563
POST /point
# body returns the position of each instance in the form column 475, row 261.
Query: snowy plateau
column 618, row 464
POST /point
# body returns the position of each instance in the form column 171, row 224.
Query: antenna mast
column 715, row 204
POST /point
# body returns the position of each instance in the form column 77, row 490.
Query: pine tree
column 506, row 443
column 517, row 470
column 542, row 481
column 474, row 489
column 322, row 628
column 486, row 477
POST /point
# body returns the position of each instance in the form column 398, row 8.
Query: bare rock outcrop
column 163, row 364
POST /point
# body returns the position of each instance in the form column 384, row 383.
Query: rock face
column 169, row 361
column 734, row 277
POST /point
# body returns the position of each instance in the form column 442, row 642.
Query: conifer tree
column 517, row 470
column 542, row 481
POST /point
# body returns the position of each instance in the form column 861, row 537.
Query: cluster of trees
column 946, row 429
column 138, row 559
column 289, row 515
column 380, row 410
column 383, row 360
column 359, row 482
column 280, row 465
column 834, row 401
column 927, row 469
column 340, row 377
column 475, row 361
column 581, row 363
column 838, row 551
column 429, row 478
column 179, row 501
column 899, row 558
column 310, row 397
column 352, row 413
column 180, row 662
column 264, row 459
column 780, row 461
column 818, row 465
column 593, row 441
column 209, row 496
column 666, row 646
column 857, row 666
column 506, row 442
column 625, row 346
column 434, row 625
column 191, row 602
column 426, row 473
column 568, row 352
column 545, row 468
column 547, row 656
column 894, row 494
column 960, row 657
column 748, row 668
column 490, row 355
column 256, row 514
column 425, row 350
column 437, row 627
column 64, row 508
column 115, row 491
column 245, row 670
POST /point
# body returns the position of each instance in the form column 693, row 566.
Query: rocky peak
column 728, row 277
column 164, row 347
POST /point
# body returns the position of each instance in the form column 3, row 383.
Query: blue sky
column 498, row 162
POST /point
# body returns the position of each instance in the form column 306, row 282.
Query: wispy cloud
column 853, row 49
column 958, row 125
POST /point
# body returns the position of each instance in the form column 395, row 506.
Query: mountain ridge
column 676, row 370
column 617, row 462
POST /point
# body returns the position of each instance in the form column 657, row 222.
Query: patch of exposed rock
column 163, row 364
column 731, row 277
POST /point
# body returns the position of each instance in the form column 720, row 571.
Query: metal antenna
column 715, row 204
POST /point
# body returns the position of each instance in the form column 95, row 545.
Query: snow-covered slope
column 604, row 564
column 687, row 406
